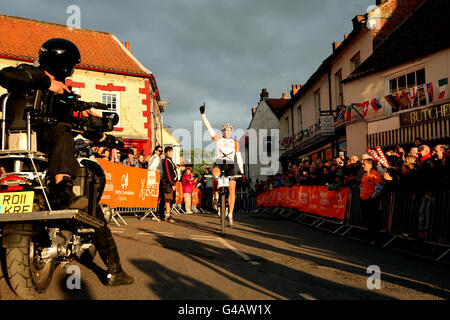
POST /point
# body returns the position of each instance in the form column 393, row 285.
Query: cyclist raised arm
column 226, row 150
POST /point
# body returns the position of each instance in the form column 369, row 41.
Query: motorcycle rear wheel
column 27, row 276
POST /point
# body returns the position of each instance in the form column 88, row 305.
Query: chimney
column 295, row 88
column 264, row 94
column 335, row 45
column 358, row 22
column 284, row 95
column 253, row 112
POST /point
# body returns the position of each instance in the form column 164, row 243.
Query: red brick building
column 108, row 73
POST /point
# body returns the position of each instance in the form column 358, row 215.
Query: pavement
column 262, row 258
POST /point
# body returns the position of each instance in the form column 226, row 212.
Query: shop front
column 431, row 124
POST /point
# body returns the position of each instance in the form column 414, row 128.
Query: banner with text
column 312, row 199
column 129, row 187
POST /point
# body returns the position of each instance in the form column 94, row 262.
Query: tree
column 199, row 158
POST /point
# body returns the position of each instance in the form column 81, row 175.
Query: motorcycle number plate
column 16, row 202
column 224, row 182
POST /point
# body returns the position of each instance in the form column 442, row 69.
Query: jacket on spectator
column 155, row 163
column 371, row 185
column 127, row 162
column 188, row 183
column 170, row 176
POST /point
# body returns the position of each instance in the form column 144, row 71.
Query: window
column 76, row 91
column 269, row 146
column 112, row 100
column 299, row 118
column 286, row 122
column 355, row 61
column 339, row 89
column 317, row 103
column 408, row 81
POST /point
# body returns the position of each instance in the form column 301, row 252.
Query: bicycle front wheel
column 222, row 213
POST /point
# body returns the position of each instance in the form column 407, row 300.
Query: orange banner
column 196, row 195
column 312, row 199
column 129, row 187
column 179, row 194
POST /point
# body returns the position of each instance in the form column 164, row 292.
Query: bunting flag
column 413, row 97
column 375, row 103
column 430, row 92
column 365, row 108
column 391, row 99
column 317, row 125
column 341, row 114
column 421, row 96
column 403, row 99
column 442, row 87
column 349, row 113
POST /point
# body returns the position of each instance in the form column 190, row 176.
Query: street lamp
column 162, row 103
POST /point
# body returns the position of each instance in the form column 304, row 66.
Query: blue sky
column 217, row 51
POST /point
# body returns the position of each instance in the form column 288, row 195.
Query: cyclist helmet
column 226, row 126
column 59, row 57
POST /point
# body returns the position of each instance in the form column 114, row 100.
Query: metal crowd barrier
column 404, row 214
column 354, row 216
column 422, row 214
column 140, row 213
column 245, row 204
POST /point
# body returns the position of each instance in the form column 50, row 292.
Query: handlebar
column 213, row 177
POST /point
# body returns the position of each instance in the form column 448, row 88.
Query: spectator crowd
column 422, row 167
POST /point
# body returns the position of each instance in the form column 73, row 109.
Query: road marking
column 243, row 255
column 307, row 296
column 198, row 237
column 150, row 233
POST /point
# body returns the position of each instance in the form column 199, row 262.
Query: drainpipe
column 331, row 108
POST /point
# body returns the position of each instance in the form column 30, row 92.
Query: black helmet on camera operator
column 58, row 57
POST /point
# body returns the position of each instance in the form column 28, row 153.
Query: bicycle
column 222, row 205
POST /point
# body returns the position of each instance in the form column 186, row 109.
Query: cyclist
column 226, row 149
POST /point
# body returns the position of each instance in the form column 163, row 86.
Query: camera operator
column 56, row 61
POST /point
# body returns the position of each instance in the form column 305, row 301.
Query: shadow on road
column 323, row 248
column 330, row 251
column 276, row 281
column 167, row 284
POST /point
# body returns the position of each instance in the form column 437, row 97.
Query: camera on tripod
column 51, row 108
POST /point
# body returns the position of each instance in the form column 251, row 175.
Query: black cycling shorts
column 228, row 169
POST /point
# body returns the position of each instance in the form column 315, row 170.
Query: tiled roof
column 21, row 38
column 423, row 33
column 277, row 105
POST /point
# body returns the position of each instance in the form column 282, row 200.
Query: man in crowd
column 56, row 61
column 424, row 155
column 131, row 161
column 207, row 189
column 371, row 187
column 168, row 182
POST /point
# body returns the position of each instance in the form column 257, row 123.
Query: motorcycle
column 35, row 237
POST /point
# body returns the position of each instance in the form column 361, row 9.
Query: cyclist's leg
column 215, row 194
column 231, row 197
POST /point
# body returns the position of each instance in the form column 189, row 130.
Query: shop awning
column 434, row 130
